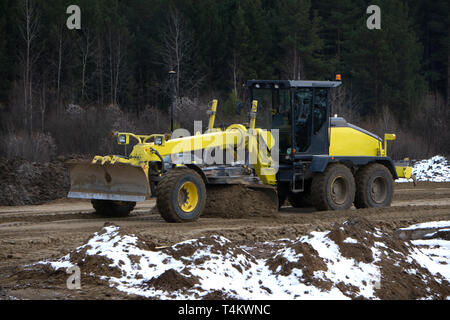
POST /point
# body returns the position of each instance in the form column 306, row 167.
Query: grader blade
column 118, row 182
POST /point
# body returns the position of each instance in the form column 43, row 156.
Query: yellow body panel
column 235, row 136
column 347, row 141
column 404, row 172
column 212, row 116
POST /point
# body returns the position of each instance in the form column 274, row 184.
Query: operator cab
column 299, row 109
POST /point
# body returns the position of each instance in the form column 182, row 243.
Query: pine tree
column 384, row 65
column 433, row 28
column 298, row 31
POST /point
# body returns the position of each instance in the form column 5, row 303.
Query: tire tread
column 319, row 186
column 164, row 191
column 362, row 176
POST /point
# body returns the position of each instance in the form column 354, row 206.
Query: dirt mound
column 24, row 182
column 359, row 240
column 308, row 260
column 353, row 240
column 239, row 201
column 171, row 280
column 354, row 260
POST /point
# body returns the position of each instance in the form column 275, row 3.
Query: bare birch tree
column 56, row 63
column 43, row 103
column 86, row 42
column 234, row 65
column 29, row 31
column 99, row 70
column 344, row 103
column 58, row 74
column 176, row 54
column 117, row 50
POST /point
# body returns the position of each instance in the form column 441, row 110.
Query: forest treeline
column 62, row 91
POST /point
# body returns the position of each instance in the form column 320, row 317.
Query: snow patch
column 194, row 268
column 435, row 169
column 428, row 225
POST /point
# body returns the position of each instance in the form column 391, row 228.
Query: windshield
column 263, row 115
column 274, row 112
column 273, row 104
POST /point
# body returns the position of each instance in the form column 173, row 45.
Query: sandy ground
column 33, row 233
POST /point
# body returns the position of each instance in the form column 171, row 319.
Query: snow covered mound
column 436, row 169
column 353, row 260
column 432, row 240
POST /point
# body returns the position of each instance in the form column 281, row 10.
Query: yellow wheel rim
column 188, row 196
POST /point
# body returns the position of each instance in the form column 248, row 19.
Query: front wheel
column 181, row 195
column 109, row 208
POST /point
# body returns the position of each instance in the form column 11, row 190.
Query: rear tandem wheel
column 374, row 186
column 333, row 189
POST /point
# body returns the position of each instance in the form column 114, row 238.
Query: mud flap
column 118, row 182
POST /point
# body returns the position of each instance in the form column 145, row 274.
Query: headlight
column 158, row 141
column 122, row 139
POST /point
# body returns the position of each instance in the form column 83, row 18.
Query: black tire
column 153, row 189
column 300, row 200
column 282, row 191
column 281, row 200
column 333, row 189
column 109, row 208
column 374, row 186
column 172, row 190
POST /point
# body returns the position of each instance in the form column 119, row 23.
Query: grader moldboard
column 319, row 161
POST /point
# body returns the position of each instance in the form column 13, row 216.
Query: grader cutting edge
column 293, row 150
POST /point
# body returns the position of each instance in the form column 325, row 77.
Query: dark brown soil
column 172, row 280
column 25, row 182
column 31, row 233
column 396, row 280
column 356, row 228
column 240, row 201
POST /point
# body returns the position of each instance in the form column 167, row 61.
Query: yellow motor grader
column 291, row 148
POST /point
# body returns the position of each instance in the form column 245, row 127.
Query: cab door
column 311, row 120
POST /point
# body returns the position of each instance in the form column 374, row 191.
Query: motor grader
column 291, row 148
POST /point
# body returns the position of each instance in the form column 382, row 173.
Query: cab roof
column 293, row 83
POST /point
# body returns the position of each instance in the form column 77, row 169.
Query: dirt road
column 34, row 233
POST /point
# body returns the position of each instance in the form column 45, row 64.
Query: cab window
column 319, row 109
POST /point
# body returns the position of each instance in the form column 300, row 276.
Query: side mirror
column 389, row 136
